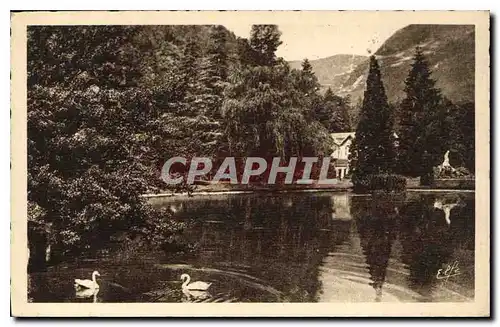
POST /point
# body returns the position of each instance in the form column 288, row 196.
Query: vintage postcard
column 250, row 164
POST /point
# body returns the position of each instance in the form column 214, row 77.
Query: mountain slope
column 333, row 71
column 449, row 50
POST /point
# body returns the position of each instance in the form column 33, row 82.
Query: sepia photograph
column 331, row 163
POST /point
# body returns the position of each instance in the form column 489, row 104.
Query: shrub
column 449, row 172
column 383, row 182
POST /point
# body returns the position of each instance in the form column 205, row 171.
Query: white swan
column 195, row 286
column 87, row 283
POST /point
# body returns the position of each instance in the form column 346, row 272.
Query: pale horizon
column 321, row 41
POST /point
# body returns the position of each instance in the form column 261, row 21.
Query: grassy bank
column 449, row 184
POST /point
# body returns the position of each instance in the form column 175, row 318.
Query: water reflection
column 299, row 248
column 272, row 238
column 431, row 241
column 377, row 228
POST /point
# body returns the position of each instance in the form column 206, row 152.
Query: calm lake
column 295, row 247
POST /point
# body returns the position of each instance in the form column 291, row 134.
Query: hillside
column 449, row 50
column 333, row 71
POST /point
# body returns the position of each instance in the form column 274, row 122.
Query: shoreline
column 297, row 190
column 233, row 192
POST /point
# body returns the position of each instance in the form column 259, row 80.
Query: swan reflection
column 86, row 293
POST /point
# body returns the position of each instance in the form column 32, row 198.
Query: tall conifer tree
column 421, row 144
column 214, row 72
column 374, row 134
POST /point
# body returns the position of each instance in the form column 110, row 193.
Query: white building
column 341, row 151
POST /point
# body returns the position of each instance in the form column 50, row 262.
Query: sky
column 319, row 41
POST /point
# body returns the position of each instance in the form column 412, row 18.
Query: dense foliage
column 419, row 126
column 461, row 140
column 267, row 110
column 334, row 112
column 379, row 182
column 430, row 125
column 80, row 169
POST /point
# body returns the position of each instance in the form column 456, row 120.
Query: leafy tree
column 102, row 51
column 264, row 41
column 355, row 112
column 264, row 116
column 87, row 151
column 307, row 85
column 307, row 82
column 187, row 94
column 374, row 148
column 346, row 108
column 266, row 106
column 334, row 113
column 244, row 52
column 461, row 118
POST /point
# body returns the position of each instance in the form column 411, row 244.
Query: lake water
column 297, row 247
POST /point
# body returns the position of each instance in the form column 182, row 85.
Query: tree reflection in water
column 376, row 219
column 284, row 239
column 428, row 241
column 281, row 240
column 293, row 247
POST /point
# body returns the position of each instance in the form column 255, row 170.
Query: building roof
column 340, row 138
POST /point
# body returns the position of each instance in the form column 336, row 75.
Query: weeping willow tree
column 265, row 117
column 266, row 110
